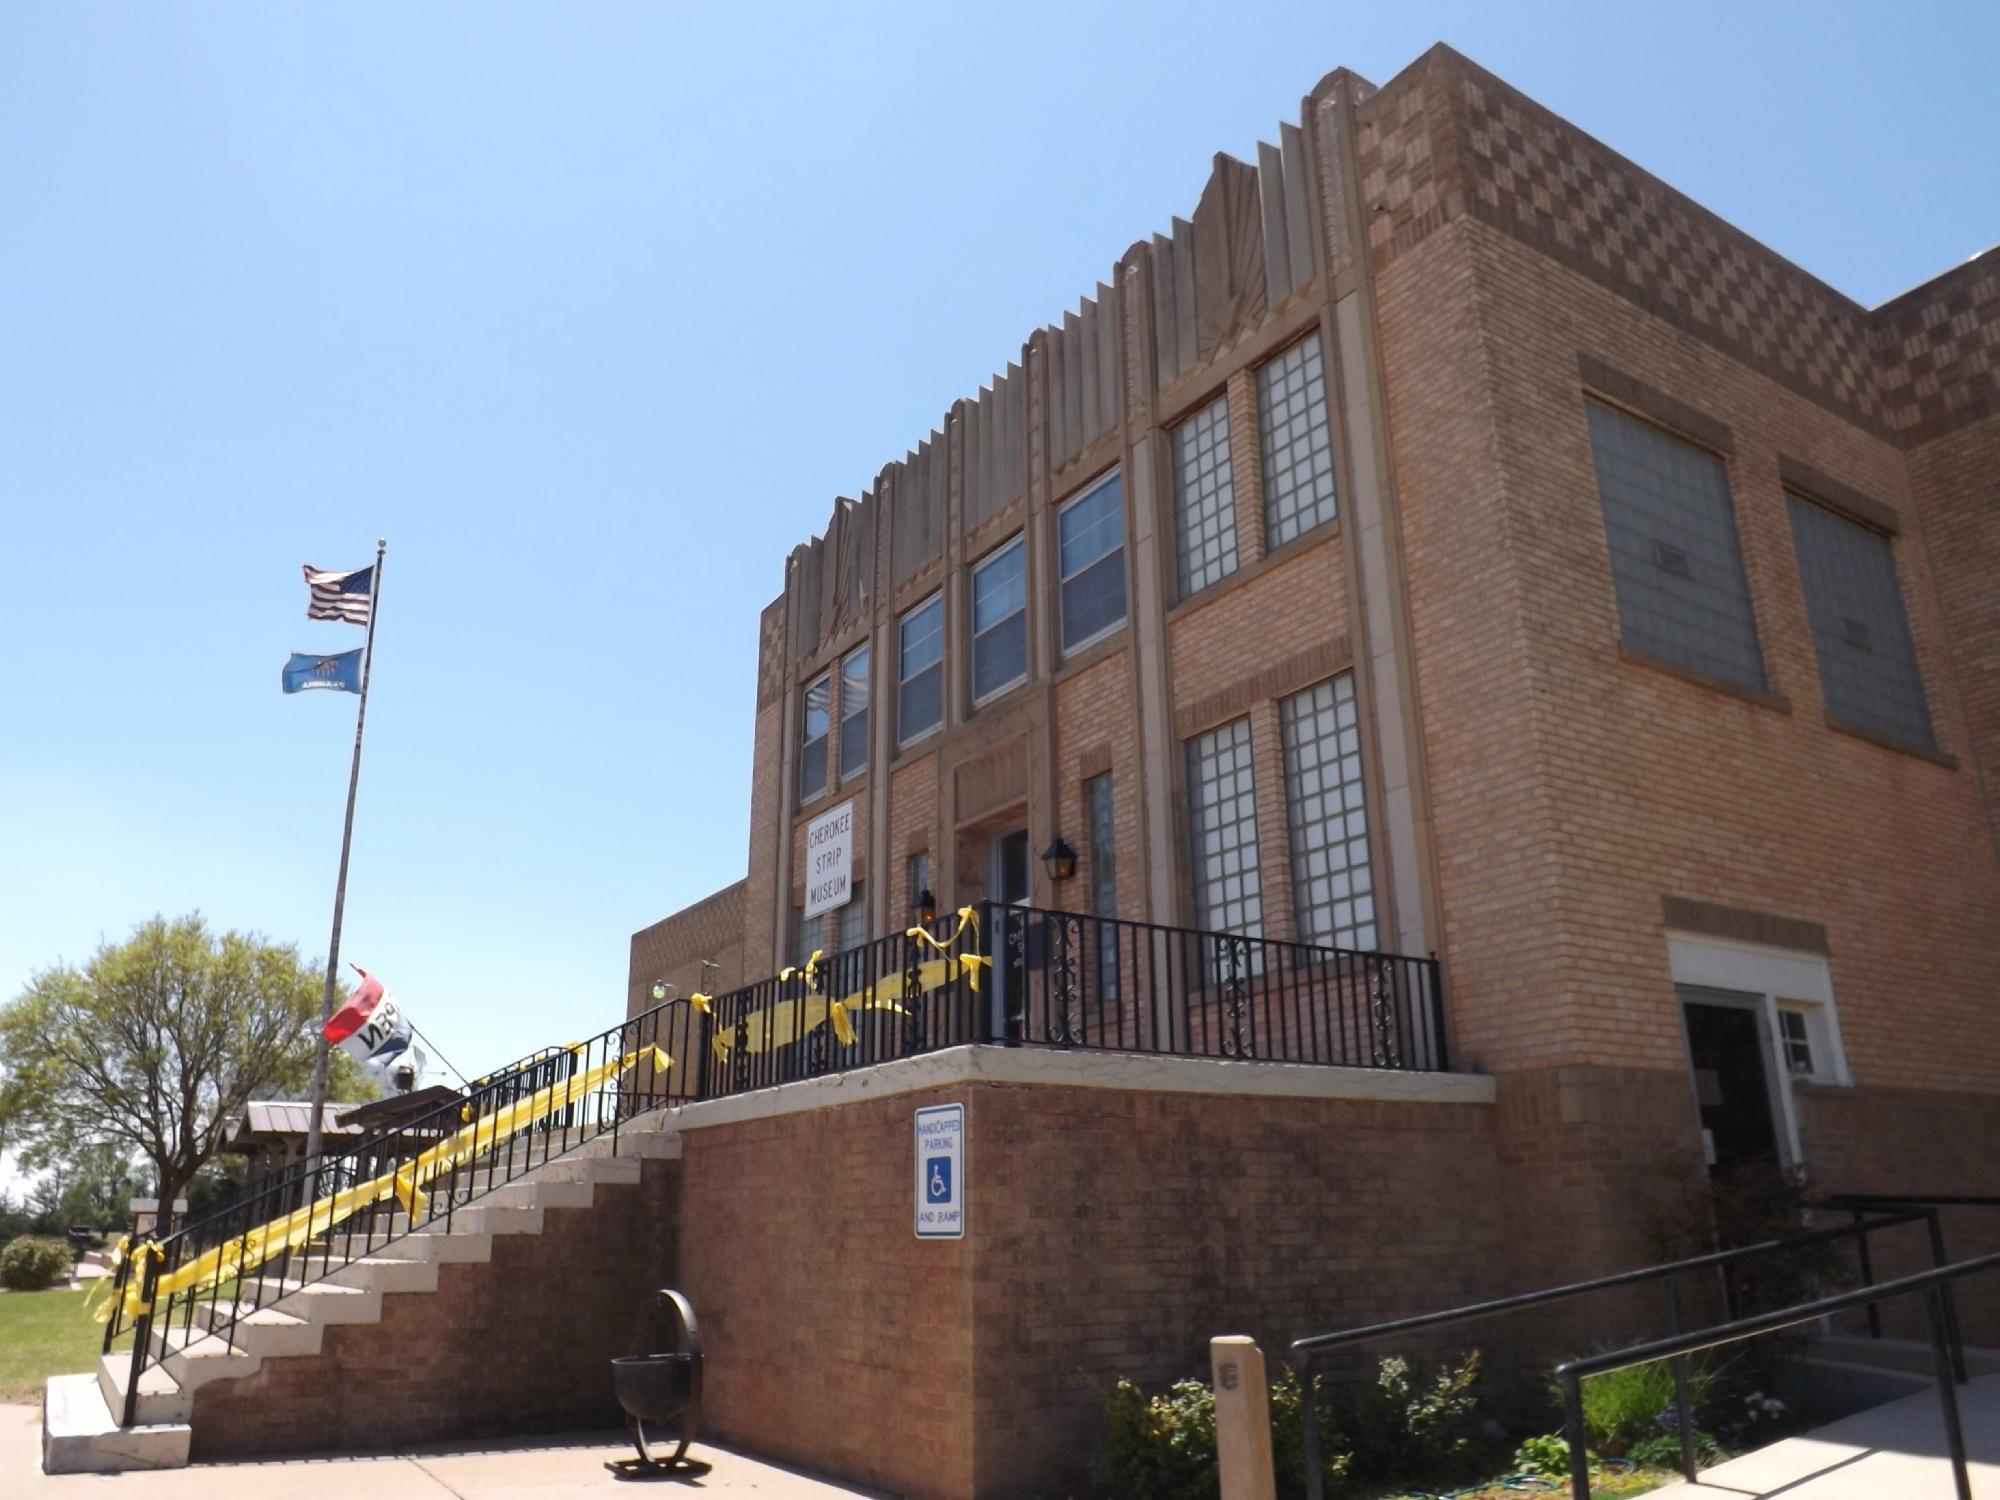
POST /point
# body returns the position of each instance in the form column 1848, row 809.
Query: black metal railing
column 1859, row 1205
column 1001, row 974
column 1305, row 1351
column 1066, row 979
column 1948, row 1357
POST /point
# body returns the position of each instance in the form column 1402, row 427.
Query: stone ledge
column 1055, row 1068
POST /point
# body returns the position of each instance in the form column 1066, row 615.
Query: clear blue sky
column 592, row 310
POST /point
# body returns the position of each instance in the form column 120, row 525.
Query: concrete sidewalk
column 506, row 1467
column 1892, row 1452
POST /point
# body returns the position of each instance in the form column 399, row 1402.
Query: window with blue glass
column 1090, row 538
column 1000, row 621
column 920, row 671
column 815, row 720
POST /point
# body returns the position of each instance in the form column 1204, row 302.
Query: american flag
column 339, row 596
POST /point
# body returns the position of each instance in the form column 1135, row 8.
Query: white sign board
column 830, row 859
column 941, row 1172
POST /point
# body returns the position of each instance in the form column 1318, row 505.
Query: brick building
column 1449, row 539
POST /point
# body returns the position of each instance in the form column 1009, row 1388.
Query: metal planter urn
column 663, row 1389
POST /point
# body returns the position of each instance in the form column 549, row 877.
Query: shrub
column 1160, row 1447
column 1546, row 1455
column 1664, row 1451
column 1623, row 1407
column 30, row 1263
column 1403, row 1429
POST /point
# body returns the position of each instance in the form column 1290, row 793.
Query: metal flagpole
column 340, row 886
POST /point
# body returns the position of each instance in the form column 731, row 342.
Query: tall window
column 1204, row 498
column 1297, row 445
column 1861, row 632
column 1222, row 823
column 920, row 671
column 852, row 926
column 1333, row 893
column 1090, row 534
column 916, row 880
column 1000, row 621
column 805, row 937
column 1675, row 561
column 854, row 712
column 812, row 739
column 1098, row 816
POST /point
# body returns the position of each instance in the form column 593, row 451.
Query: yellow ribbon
column 251, row 1249
column 972, row 963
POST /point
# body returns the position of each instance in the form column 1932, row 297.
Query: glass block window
column 1000, row 621
column 1204, row 498
column 854, row 712
column 920, row 664
column 1797, row 1038
column 1861, row 632
column 1103, row 841
column 916, row 880
column 1090, row 536
column 1222, row 823
column 1296, row 441
column 805, row 937
column 1675, row 561
column 1333, row 892
column 851, row 926
column 813, row 725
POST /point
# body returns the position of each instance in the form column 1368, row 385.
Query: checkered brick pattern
column 771, row 653
column 1396, row 149
column 1548, row 183
column 1938, row 351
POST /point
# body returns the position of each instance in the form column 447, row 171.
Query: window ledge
column 1304, row 542
column 1890, row 742
column 1834, row 1088
column 1759, row 696
column 1096, row 651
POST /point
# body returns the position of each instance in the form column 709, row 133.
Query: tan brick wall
column 1108, row 1234
column 673, row 950
column 1955, row 481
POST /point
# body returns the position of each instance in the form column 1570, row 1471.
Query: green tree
column 153, row 1043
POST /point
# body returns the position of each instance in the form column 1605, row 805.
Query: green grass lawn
column 44, row 1334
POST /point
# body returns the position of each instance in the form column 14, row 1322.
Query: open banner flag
column 372, row 1029
column 339, row 596
column 341, row 673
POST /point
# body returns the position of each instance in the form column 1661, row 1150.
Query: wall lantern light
column 926, row 912
column 1059, row 859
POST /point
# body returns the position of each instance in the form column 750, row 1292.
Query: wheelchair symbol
column 937, row 1184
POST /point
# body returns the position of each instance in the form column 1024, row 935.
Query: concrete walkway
column 1893, row 1452
column 539, row 1466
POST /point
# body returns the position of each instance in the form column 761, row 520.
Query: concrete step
column 1911, row 1356
column 195, row 1356
column 386, row 1273
column 81, row 1435
column 319, row 1301
column 161, row 1401
column 268, row 1331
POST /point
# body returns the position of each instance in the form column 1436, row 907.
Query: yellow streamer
column 247, row 1251
column 968, row 917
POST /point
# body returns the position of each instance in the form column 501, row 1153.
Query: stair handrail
column 1947, row 1354
column 575, row 1115
column 1305, row 1350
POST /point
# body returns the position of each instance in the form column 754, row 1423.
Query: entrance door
column 1731, row 1057
column 1007, row 880
column 1007, row 867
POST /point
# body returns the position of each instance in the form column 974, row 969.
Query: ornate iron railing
column 999, row 974
column 1071, row 980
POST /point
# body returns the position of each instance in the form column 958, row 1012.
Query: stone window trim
column 1942, row 758
column 1763, row 698
column 1248, row 572
column 1843, row 499
column 1608, row 382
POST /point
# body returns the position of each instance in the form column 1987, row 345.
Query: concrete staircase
column 80, row 1413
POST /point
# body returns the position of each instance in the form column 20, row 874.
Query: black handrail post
column 142, row 1337
column 1579, row 1453
column 1867, row 1274
column 1442, row 1060
column 1950, row 1302
column 1683, row 1410
column 1315, row 1469
column 1935, row 1309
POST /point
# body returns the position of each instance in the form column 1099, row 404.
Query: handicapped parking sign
column 940, row 1162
